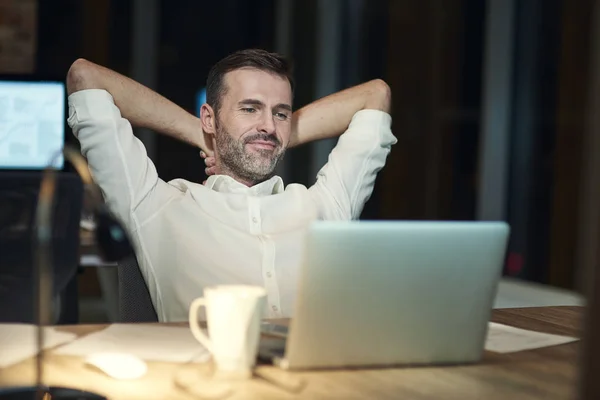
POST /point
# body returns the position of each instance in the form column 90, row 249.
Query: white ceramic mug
column 233, row 316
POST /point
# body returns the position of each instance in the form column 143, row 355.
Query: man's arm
column 346, row 181
column 330, row 116
column 138, row 104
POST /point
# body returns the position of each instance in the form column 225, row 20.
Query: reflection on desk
column 547, row 373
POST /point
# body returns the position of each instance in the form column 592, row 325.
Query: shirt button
column 268, row 274
column 255, row 220
column 274, row 308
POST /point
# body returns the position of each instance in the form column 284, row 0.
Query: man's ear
column 208, row 118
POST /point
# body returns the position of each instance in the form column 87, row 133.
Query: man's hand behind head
column 210, row 162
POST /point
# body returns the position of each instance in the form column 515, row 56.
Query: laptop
column 383, row 293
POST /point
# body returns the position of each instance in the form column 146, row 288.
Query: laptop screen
column 32, row 123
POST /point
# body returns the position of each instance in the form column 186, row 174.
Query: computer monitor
column 200, row 99
column 32, row 122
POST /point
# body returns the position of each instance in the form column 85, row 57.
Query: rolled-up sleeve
column 346, row 182
column 117, row 159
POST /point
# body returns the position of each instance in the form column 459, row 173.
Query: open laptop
column 392, row 293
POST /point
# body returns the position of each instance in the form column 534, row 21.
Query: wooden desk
column 548, row 373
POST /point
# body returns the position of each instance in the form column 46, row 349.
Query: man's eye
column 281, row 116
column 248, row 109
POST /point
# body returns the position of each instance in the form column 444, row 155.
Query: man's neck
column 223, row 170
column 243, row 181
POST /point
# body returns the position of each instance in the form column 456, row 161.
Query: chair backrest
column 19, row 192
column 135, row 303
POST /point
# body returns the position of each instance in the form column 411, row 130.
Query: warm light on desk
column 120, row 366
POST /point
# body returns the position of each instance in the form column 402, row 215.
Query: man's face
column 253, row 125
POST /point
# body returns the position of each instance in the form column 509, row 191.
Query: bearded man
column 243, row 225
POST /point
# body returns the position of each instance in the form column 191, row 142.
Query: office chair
column 135, row 303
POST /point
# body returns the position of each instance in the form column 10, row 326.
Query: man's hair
column 251, row 58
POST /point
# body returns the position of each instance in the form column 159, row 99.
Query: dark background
column 432, row 54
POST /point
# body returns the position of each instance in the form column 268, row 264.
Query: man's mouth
column 263, row 144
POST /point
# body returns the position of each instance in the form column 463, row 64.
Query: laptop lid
column 395, row 293
column 32, row 122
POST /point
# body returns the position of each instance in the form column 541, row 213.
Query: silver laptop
column 387, row 293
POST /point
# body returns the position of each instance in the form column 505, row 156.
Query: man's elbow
column 81, row 76
column 380, row 97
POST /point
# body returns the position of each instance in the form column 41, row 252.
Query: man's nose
column 267, row 125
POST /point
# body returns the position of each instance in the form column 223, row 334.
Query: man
column 241, row 226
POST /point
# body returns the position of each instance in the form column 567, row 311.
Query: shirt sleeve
column 346, row 182
column 117, row 159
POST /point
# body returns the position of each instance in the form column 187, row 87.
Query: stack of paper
column 18, row 342
column 149, row 342
column 508, row 339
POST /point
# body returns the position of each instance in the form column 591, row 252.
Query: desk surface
column 548, row 373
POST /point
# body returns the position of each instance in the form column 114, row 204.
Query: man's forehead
column 251, row 83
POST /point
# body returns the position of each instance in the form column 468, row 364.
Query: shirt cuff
column 90, row 104
column 376, row 121
column 372, row 117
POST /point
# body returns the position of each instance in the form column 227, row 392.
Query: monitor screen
column 32, row 123
column 200, row 99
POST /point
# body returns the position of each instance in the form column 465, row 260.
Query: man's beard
column 254, row 166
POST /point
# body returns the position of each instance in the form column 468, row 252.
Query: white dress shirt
column 188, row 236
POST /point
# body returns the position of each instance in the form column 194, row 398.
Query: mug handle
column 195, row 326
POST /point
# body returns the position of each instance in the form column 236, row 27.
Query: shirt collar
column 226, row 184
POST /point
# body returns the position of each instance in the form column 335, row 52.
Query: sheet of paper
column 149, row 342
column 18, row 342
column 507, row 339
